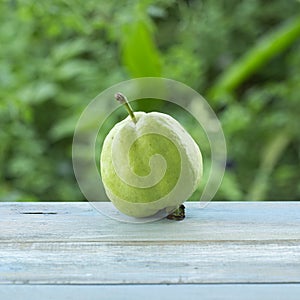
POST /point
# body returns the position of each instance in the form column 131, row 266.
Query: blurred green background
column 242, row 56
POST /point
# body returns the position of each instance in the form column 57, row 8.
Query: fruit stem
column 123, row 100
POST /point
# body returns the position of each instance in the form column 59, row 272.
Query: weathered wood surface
column 164, row 292
column 228, row 243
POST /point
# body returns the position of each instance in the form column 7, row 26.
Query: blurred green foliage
column 243, row 56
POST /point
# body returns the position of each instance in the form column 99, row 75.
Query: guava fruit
column 149, row 163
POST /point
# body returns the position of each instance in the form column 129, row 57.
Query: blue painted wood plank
column 138, row 292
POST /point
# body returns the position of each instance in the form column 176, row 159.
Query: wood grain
column 72, row 243
column 166, row 292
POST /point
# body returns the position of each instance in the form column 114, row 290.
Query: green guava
column 149, row 163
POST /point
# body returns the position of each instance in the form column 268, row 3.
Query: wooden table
column 232, row 250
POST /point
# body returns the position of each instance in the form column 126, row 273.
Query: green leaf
column 139, row 53
column 273, row 151
column 270, row 45
column 64, row 128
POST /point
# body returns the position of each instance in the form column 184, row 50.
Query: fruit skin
column 136, row 189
